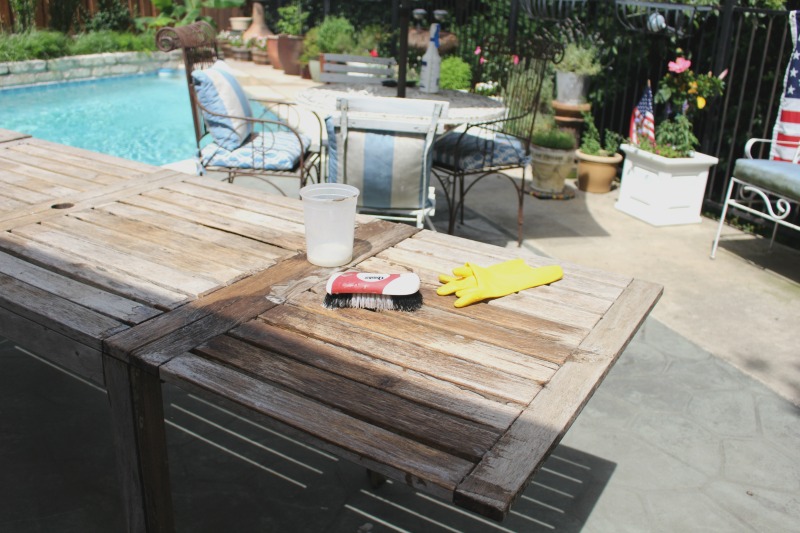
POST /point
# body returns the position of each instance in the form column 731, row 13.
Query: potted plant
column 552, row 159
column 290, row 37
column 258, row 49
column 239, row 49
column 598, row 162
column 581, row 61
column 309, row 59
column 455, row 74
column 664, row 179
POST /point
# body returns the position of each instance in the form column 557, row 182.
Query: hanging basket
column 552, row 9
column 659, row 18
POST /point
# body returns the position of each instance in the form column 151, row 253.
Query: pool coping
column 92, row 67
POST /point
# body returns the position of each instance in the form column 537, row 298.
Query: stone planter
column 241, row 53
column 663, row 191
column 571, row 88
column 260, row 57
column 290, row 47
column 550, row 168
column 314, row 68
column 596, row 173
column 240, row 23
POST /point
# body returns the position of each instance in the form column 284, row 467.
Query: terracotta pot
column 260, row 57
column 290, row 47
column 272, row 51
column 596, row 173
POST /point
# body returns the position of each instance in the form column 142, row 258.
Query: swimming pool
column 146, row 118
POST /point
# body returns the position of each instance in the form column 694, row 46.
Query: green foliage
column 109, row 41
column 553, row 138
column 372, row 37
column 674, row 138
column 52, row 44
column 580, row 59
column 292, row 19
column 310, row 46
column 63, row 14
column 335, row 35
column 173, row 13
column 111, row 15
column 24, row 12
column 591, row 142
column 33, row 45
column 455, row 73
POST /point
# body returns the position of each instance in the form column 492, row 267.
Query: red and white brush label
column 366, row 283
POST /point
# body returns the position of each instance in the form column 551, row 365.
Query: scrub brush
column 378, row 292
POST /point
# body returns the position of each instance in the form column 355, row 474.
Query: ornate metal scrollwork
column 552, row 9
column 781, row 209
column 659, row 18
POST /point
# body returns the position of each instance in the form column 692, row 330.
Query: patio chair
column 766, row 188
column 344, row 68
column 493, row 147
column 383, row 146
column 261, row 138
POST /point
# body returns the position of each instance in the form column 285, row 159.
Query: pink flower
column 374, row 52
column 482, row 60
column 679, row 65
column 515, row 58
column 478, row 50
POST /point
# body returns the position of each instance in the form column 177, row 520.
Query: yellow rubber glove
column 497, row 280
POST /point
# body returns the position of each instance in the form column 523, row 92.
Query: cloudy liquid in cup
column 329, row 211
column 330, row 254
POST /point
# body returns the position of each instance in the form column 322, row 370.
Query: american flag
column 786, row 135
column 642, row 121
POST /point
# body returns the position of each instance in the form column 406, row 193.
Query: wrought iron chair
column 483, row 149
column 234, row 135
column 383, row 146
column 766, row 188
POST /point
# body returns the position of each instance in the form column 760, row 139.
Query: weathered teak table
column 148, row 276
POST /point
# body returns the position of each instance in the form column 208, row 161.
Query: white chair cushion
column 219, row 92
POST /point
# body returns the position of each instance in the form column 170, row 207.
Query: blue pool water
column 144, row 118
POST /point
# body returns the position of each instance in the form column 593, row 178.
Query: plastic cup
column 329, row 213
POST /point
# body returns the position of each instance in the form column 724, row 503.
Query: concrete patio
column 695, row 428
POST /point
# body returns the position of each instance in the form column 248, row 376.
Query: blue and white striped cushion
column 475, row 153
column 266, row 151
column 385, row 166
column 219, row 92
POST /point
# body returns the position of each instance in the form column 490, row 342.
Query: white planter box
column 663, row 191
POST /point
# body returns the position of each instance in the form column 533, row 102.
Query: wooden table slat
column 68, row 318
column 460, row 371
column 40, row 162
column 439, row 330
column 45, row 182
column 420, row 388
column 97, row 253
column 103, row 165
column 363, row 442
column 93, row 274
column 234, row 247
column 10, row 135
column 112, row 305
column 374, row 405
column 166, row 251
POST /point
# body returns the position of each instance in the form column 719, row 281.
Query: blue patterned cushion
column 385, row 166
column 219, row 92
column 266, row 151
column 475, row 153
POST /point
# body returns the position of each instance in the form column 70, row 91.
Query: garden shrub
column 112, row 15
column 98, row 42
column 63, row 14
column 455, row 73
column 24, row 12
column 33, row 45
